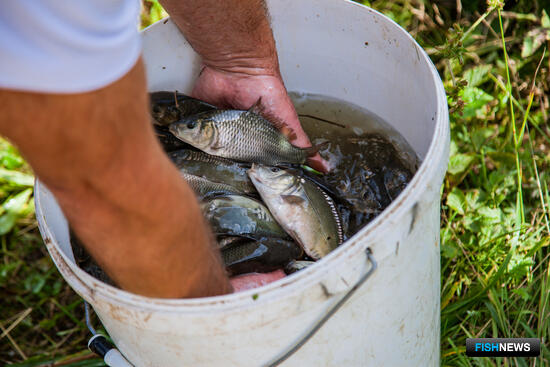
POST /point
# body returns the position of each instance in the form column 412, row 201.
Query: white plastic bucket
column 347, row 51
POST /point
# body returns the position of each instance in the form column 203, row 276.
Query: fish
column 240, row 135
column 305, row 211
column 226, row 241
column 204, row 187
column 169, row 107
column 214, row 169
column 237, row 215
column 297, row 265
column 377, row 150
column 396, row 178
column 261, row 256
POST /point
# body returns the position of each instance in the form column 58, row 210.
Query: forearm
column 230, row 35
column 96, row 152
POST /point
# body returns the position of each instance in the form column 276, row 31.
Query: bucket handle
column 328, row 314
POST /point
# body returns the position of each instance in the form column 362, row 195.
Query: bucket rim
column 91, row 289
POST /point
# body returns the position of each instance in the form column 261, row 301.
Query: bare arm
column 96, row 151
column 241, row 64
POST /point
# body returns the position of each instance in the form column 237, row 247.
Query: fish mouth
column 173, row 128
column 252, row 172
column 254, row 168
column 255, row 176
column 179, row 130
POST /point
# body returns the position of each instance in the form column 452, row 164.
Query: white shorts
column 71, row 46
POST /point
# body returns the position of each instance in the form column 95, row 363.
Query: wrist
column 244, row 65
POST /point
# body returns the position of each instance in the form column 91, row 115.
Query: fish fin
column 292, row 199
column 176, row 98
column 288, row 132
column 217, row 146
column 257, row 107
column 311, row 151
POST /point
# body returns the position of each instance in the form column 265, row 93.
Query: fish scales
column 266, row 137
column 236, row 215
column 214, row 169
column 204, row 187
column 264, row 255
column 307, row 213
column 240, row 135
column 297, row 265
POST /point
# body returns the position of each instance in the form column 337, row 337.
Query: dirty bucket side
column 322, row 45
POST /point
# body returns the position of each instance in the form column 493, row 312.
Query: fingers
column 254, row 280
column 302, row 140
column 318, row 163
column 227, row 90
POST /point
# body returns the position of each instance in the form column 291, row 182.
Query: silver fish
column 214, row 169
column 306, row 212
column 204, row 187
column 240, row 135
column 261, row 256
column 297, row 265
column 236, row 215
column 226, row 241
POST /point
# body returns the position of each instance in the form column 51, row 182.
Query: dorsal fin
column 286, row 130
column 176, row 98
column 257, row 107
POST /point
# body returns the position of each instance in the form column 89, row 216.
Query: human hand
column 241, row 90
column 254, row 280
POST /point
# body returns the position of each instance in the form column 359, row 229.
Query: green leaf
column 459, row 163
column 477, row 75
column 15, row 207
column 456, row 201
column 519, row 265
column 35, row 282
column 449, row 250
column 17, row 203
column 545, row 19
column 479, row 136
column 7, row 222
column 10, row 160
column 490, row 215
column 475, row 99
column 502, row 158
column 453, row 148
column 16, row 178
column 522, row 293
column 533, row 40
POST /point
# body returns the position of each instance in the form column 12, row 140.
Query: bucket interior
column 334, row 48
column 341, row 50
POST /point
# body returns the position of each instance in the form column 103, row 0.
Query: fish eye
column 191, row 124
column 274, row 169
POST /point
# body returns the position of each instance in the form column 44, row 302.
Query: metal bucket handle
column 318, row 325
column 328, row 314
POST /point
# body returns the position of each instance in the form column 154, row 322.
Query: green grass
column 495, row 236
